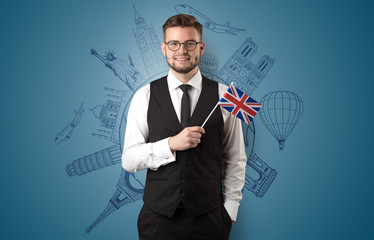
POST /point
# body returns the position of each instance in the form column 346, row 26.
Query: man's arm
column 137, row 153
column 188, row 138
column 234, row 162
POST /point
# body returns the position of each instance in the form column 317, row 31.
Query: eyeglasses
column 175, row 45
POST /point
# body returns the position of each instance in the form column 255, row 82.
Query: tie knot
column 185, row 87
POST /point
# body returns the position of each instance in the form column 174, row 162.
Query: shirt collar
column 174, row 82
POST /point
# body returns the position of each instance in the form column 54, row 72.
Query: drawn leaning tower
column 109, row 115
column 149, row 46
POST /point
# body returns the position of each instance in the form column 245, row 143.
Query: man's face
column 182, row 61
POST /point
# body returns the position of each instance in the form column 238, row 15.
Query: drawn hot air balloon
column 280, row 112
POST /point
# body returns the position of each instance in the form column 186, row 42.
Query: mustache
column 182, row 55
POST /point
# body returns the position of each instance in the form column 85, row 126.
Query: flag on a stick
column 238, row 104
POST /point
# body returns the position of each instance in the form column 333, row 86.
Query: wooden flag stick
column 210, row 115
column 232, row 83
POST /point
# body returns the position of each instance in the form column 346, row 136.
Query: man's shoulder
column 207, row 79
column 212, row 81
column 158, row 81
column 209, row 82
column 146, row 88
column 159, row 84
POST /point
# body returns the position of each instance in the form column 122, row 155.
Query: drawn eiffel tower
column 128, row 190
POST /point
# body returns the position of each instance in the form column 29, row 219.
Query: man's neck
column 185, row 77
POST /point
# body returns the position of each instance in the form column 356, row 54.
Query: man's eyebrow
column 184, row 41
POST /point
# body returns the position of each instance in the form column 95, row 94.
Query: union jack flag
column 239, row 104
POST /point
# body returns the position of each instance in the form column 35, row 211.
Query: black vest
column 195, row 178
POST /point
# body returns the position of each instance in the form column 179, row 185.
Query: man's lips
column 182, row 58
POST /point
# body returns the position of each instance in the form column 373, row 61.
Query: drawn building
column 107, row 113
column 149, row 46
column 110, row 114
column 95, row 161
column 208, row 64
column 110, row 117
column 240, row 69
column 258, row 176
column 128, row 190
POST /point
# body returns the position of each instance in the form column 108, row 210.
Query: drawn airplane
column 206, row 22
column 65, row 133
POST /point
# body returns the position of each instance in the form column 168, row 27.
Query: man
column 188, row 166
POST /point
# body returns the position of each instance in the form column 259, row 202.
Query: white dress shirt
column 138, row 154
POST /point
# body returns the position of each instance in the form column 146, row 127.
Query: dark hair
column 183, row 20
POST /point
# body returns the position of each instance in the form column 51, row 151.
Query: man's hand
column 186, row 139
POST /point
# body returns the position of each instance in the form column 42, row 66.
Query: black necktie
column 185, row 106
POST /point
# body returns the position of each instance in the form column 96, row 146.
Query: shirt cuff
column 162, row 150
column 232, row 208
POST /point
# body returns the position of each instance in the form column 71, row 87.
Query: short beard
column 186, row 69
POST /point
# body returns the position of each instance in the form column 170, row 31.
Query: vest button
column 182, row 195
column 184, row 167
column 182, row 181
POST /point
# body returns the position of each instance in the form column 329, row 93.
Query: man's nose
column 183, row 48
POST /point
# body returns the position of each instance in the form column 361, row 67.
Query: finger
column 195, row 140
column 195, row 135
column 193, row 145
column 197, row 129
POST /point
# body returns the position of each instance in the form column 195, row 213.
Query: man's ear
column 202, row 47
column 163, row 48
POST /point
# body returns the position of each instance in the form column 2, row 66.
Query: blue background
column 323, row 52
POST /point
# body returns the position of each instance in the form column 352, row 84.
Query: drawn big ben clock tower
column 149, row 47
